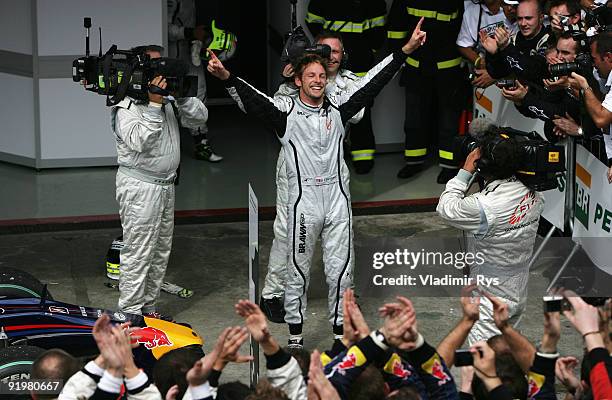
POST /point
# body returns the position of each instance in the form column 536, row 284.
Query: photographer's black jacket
column 524, row 58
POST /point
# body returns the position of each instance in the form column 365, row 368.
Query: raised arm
column 272, row 111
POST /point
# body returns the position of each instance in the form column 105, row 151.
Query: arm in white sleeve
column 458, row 210
column 192, row 112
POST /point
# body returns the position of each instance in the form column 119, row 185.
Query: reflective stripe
column 415, row 153
column 360, row 155
column 346, row 26
column 411, row 61
column 432, row 14
column 377, row 21
column 441, row 65
column 397, row 34
column 360, row 73
column 445, row 154
column 450, row 63
column 310, row 17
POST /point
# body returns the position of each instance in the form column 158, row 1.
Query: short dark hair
column 54, row 364
column 148, row 47
column 306, row 60
column 369, row 385
column 233, row 391
column 604, row 43
column 325, row 34
column 573, row 7
column 265, row 391
column 171, row 369
column 568, row 35
column 511, row 375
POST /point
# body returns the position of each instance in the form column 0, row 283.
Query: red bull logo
column 152, row 337
column 399, row 370
column 349, row 361
column 536, row 381
column 434, row 367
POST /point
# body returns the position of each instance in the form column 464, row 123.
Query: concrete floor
column 212, row 259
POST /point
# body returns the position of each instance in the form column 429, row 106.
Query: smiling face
column 335, row 59
column 312, row 83
column 529, row 18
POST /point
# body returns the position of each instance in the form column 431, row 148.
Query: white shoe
column 196, row 49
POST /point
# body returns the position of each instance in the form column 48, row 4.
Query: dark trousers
column 432, row 102
column 363, row 145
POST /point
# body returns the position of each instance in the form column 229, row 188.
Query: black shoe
column 203, row 151
column 363, row 166
column 409, row 170
column 446, row 175
column 273, row 308
column 295, row 344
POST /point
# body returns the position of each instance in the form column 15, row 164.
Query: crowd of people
column 394, row 360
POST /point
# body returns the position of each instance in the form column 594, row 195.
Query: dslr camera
column 120, row 73
column 582, row 65
column 540, row 162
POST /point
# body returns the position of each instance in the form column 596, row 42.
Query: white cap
column 511, row 2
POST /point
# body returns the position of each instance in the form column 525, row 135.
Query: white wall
column 124, row 23
column 73, row 123
column 16, row 26
column 17, row 110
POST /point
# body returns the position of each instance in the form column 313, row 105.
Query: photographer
column 148, row 149
column 601, row 112
column 500, row 221
column 555, row 103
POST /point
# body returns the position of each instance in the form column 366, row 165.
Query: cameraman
column 148, row 154
column 500, row 221
column 601, row 112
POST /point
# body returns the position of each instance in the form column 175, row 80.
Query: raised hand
column 489, row 43
column 564, row 371
column 236, row 336
column 400, row 326
column 319, row 386
column 255, row 320
column 160, row 82
column 355, row 326
column 470, row 304
column 501, row 315
column 216, row 68
column 417, row 39
column 198, row 374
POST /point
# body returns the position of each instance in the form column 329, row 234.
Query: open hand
column 255, row 320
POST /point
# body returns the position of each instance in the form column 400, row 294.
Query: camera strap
column 122, row 87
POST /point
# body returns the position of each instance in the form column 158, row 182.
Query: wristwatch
column 580, row 131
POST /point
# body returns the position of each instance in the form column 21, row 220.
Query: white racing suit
column 276, row 279
column 319, row 202
column 148, row 154
column 181, row 21
column 501, row 223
